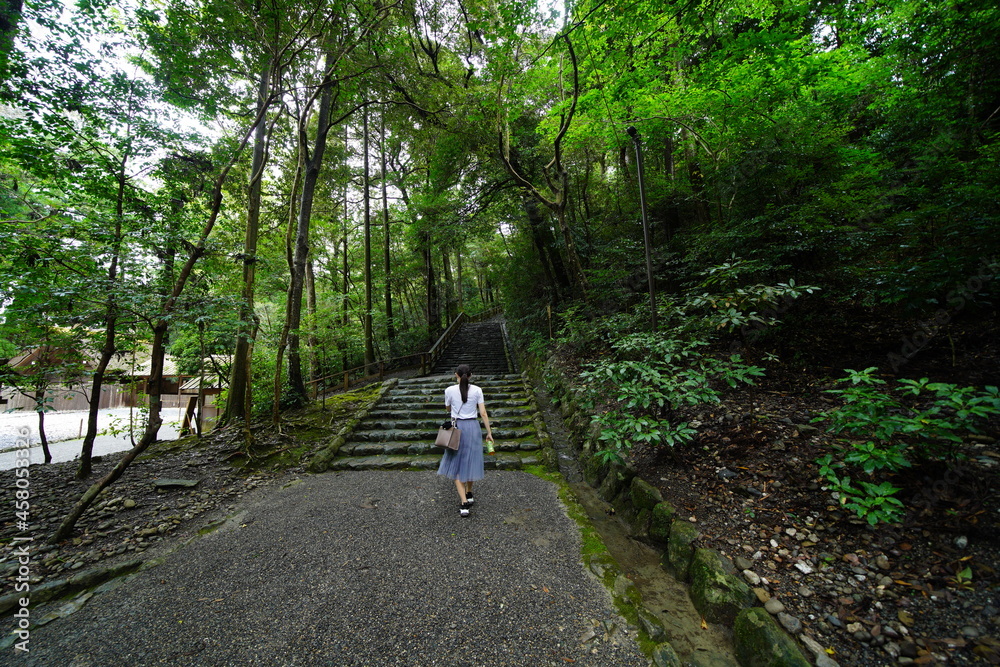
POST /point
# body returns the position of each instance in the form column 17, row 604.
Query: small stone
column 774, row 606
column 742, row 563
column 969, row 632
column 726, row 473
column 790, row 623
column 128, row 504
column 762, row 595
column 693, row 519
column 752, row 577
column 834, row 621
column 854, row 627
column 805, row 591
column 804, row 567
column 790, row 531
column 881, row 562
column 908, row 650
column 961, row 541
column 175, row 483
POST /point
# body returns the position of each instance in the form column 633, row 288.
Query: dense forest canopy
column 291, row 188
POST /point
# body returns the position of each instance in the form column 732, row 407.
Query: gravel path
column 361, row 568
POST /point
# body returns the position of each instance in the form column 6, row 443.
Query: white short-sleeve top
column 459, row 410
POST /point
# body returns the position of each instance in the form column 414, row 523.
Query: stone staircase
column 482, row 345
column 398, row 433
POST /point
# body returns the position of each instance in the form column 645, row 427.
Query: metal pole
column 634, row 133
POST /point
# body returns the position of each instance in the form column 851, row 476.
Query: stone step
column 437, row 412
column 502, row 461
column 497, row 391
column 425, row 447
column 442, row 381
column 429, row 400
column 431, row 425
column 422, row 434
column 480, row 345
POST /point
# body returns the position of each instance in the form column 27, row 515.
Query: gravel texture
column 360, row 568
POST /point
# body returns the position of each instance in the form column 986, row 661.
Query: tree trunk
column 96, row 385
column 390, row 325
column 313, row 165
column 345, row 293
column 110, row 324
column 449, row 290
column 461, row 284
column 293, row 196
column 200, row 422
column 40, row 408
column 312, row 340
column 239, row 383
column 367, row 316
column 541, row 236
column 433, row 307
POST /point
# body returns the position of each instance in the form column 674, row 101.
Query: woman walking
column 465, row 464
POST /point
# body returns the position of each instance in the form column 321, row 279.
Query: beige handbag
column 448, row 435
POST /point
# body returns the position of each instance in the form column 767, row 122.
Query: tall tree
column 387, row 242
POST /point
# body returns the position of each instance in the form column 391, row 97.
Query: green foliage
column 735, row 307
column 924, row 423
column 650, row 377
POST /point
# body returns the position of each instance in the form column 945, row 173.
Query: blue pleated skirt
column 465, row 464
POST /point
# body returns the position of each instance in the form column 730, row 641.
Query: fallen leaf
column 704, row 625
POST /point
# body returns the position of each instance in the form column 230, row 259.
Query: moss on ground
column 628, row 602
column 302, row 431
column 591, row 543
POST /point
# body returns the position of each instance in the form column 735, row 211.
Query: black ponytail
column 463, row 372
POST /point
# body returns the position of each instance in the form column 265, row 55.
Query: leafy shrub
column 890, row 434
column 737, row 308
column 650, row 376
column 646, row 378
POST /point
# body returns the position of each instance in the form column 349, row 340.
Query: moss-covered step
column 505, row 461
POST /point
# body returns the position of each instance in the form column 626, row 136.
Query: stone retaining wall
column 716, row 590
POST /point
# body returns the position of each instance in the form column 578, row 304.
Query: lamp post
column 634, row 133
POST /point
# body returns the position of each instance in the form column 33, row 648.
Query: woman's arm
column 486, row 421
